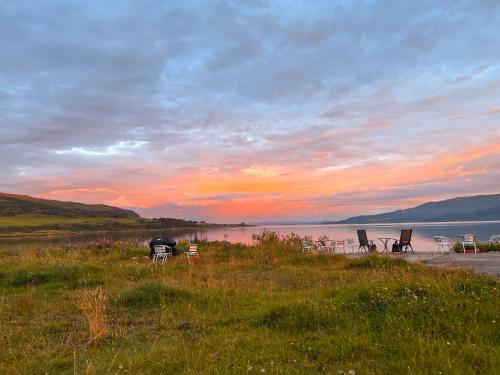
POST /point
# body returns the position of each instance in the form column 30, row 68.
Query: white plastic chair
column 192, row 251
column 340, row 245
column 469, row 240
column 162, row 252
column 443, row 244
column 306, row 247
column 351, row 245
column 327, row 247
column 495, row 239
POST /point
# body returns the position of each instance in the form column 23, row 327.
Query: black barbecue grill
column 164, row 240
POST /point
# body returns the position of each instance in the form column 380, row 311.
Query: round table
column 385, row 241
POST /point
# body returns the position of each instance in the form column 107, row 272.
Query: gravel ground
column 483, row 263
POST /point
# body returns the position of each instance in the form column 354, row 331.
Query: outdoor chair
column 162, row 252
column 404, row 241
column 364, row 243
column 324, row 247
column 306, row 247
column 443, row 244
column 469, row 241
column 192, row 252
column 340, row 246
column 332, row 246
column 351, row 245
column 495, row 239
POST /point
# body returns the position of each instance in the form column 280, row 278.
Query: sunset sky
column 250, row 111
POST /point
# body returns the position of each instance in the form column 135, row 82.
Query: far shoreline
column 416, row 223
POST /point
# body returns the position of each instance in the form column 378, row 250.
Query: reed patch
column 92, row 304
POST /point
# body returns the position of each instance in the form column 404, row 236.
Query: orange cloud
column 281, row 191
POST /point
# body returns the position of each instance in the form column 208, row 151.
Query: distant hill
column 25, row 215
column 13, row 204
column 474, row 208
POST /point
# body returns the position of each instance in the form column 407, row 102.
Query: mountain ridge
column 484, row 207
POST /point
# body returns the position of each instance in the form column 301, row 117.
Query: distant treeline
column 169, row 222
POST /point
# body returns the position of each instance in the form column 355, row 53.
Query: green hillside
column 25, row 215
column 13, row 204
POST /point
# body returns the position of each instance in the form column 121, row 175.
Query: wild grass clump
column 151, row 294
column 223, row 252
column 317, row 260
column 274, row 238
column 377, row 262
column 92, row 304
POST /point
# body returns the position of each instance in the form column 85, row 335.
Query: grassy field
column 37, row 224
column 263, row 309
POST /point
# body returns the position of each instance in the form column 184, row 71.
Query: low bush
column 481, row 247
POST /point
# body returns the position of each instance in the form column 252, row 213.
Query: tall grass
column 92, row 303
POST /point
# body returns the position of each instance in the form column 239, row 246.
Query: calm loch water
column 423, row 233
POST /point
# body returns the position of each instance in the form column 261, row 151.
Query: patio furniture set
column 468, row 243
column 164, row 248
column 364, row 244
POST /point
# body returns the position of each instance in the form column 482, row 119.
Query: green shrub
column 481, row 247
column 273, row 238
